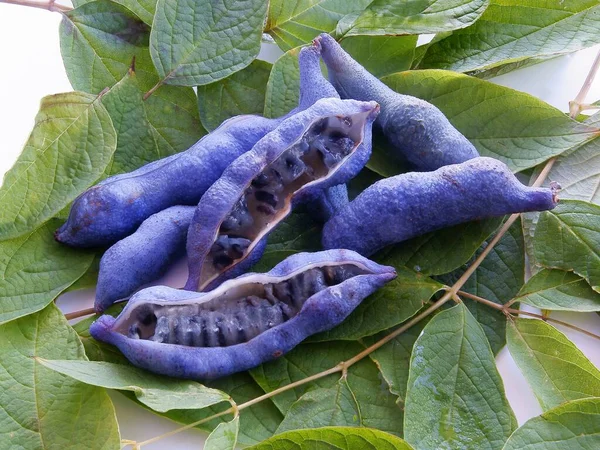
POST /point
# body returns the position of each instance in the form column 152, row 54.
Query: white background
column 31, row 67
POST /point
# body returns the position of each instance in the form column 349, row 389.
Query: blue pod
column 399, row 208
column 244, row 322
column 321, row 147
column 417, row 130
column 115, row 207
column 143, row 256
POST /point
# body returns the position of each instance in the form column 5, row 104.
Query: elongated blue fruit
column 399, row 208
column 115, row 207
column 417, row 130
column 143, row 256
column 316, row 149
column 244, row 322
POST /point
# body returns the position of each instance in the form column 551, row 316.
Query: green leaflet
column 296, row 22
column 339, row 438
column 157, row 392
column 241, row 93
column 144, row 9
column 381, row 55
column 568, row 238
column 498, row 278
column 297, row 233
column 224, row 437
column 72, row 143
column 384, row 17
column 99, row 41
column 572, row 425
column 455, row 395
column 283, row 86
column 35, row 269
column 90, row 277
column 199, row 42
column 358, row 400
column 257, row 422
column 443, row 250
column 391, row 305
column 39, row 408
column 556, row 290
column 508, row 125
column 512, row 30
column 554, row 367
column 162, row 125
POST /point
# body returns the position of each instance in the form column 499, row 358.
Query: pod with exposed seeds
column 401, row 207
column 311, row 151
column 245, row 321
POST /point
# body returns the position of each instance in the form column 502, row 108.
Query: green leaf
column 391, row 305
column 573, row 425
column 335, row 406
column 444, row 250
column 71, row 145
column 157, row 392
column 35, row 269
column 511, row 126
column 393, row 359
column 39, row 408
column 241, row 93
column 568, row 238
column 164, row 124
column 283, row 86
column 362, row 387
column 257, row 422
column 384, row 161
column 498, row 278
column 554, row 367
column 200, row 42
column 556, row 290
column 417, row 16
column 512, row 30
column 296, row 22
column 578, row 173
column 144, row 9
column 381, row 55
column 224, row 437
column 455, row 396
column 98, row 41
column 339, row 438
column 90, row 278
column 297, row 233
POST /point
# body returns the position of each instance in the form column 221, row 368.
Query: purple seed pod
column 143, row 256
column 115, row 207
column 316, row 149
column 399, row 208
column 417, row 130
column 244, row 322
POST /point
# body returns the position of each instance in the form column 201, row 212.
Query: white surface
column 31, row 67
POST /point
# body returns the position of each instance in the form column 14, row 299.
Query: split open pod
column 323, row 146
column 244, row 322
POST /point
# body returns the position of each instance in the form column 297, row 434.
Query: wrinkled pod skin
column 115, row 207
column 244, row 322
column 147, row 253
column 399, row 208
column 143, row 256
column 321, row 147
column 417, row 130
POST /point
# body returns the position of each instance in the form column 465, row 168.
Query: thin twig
column 50, row 5
column 151, row 91
column 504, row 308
column 80, row 313
column 575, row 105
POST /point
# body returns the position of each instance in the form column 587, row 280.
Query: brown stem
column 50, row 5
column 154, row 88
column 505, row 308
column 575, row 105
column 80, row 313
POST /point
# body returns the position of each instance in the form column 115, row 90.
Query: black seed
column 319, row 126
column 266, row 197
column 221, row 261
column 219, row 331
